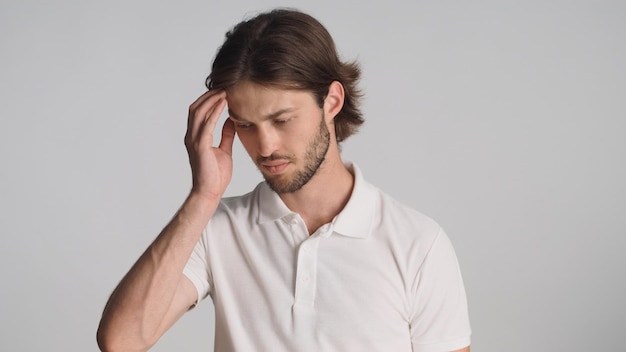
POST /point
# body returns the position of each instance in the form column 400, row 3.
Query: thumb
column 228, row 137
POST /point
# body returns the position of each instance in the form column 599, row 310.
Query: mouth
column 275, row 167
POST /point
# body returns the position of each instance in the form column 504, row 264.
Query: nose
column 268, row 141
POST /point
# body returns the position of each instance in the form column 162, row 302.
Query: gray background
column 503, row 120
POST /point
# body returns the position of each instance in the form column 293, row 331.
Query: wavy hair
column 291, row 50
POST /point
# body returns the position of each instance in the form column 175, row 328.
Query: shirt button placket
column 307, row 272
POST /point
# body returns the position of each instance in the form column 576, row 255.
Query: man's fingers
column 228, row 136
column 201, row 109
column 203, row 136
column 214, row 114
column 201, row 99
column 205, row 115
column 194, row 106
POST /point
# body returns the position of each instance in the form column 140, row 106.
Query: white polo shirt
column 379, row 277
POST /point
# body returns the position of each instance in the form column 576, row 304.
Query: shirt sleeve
column 439, row 319
column 197, row 268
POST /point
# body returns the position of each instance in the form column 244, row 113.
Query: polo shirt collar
column 355, row 220
column 270, row 206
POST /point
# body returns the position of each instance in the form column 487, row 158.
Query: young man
column 314, row 258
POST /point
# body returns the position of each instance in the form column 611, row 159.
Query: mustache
column 274, row 157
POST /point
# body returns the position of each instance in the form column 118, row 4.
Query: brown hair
column 292, row 50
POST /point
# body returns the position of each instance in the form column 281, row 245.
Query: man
column 314, row 258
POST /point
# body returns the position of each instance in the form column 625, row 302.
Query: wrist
column 205, row 195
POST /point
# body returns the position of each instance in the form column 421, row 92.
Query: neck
column 325, row 195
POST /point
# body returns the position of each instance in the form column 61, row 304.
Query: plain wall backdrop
column 503, row 120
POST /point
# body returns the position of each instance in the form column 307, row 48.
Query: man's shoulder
column 389, row 216
column 244, row 202
column 407, row 233
column 402, row 217
column 390, row 205
column 232, row 211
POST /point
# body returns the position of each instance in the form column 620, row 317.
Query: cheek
column 247, row 141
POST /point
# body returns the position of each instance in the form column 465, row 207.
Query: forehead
column 251, row 100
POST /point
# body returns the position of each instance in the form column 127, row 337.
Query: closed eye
column 240, row 124
column 243, row 125
column 281, row 121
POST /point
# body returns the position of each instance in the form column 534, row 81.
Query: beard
column 314, row 157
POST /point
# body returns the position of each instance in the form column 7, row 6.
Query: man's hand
column 155, row 293
column 211, row 167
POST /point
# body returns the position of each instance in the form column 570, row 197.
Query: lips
column 275, row 167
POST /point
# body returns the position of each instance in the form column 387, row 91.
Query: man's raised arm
column 155, row 293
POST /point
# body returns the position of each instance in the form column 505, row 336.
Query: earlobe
column 333, row 103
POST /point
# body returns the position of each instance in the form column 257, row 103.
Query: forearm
column 135, row 312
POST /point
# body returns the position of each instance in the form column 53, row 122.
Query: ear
column 333, row 103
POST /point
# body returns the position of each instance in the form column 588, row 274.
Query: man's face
column 283, row 131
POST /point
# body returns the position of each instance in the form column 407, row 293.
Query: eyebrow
column 270, row 116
